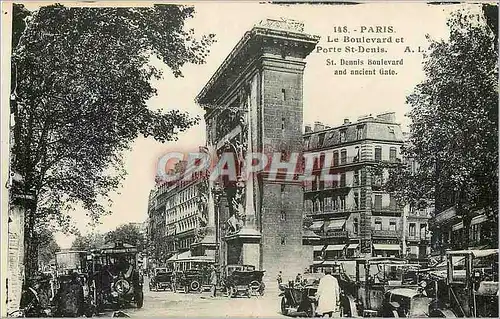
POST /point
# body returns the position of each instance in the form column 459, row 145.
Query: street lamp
column 217, row 193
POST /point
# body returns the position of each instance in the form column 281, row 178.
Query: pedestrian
column 213, row 281
column 298, row 279
column 328, row 295
column 279, row 279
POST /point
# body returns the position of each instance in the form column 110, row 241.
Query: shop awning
column 184, row 255
column 335, row 247
column 317, row 225
column 478, row 220
column 319, row 247
column 336, row 223
column 353, row 246
column 386, row 247
column 457, row 226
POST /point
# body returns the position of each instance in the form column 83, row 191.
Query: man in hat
column 213, row 280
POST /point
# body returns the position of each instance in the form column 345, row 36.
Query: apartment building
column 351, row 215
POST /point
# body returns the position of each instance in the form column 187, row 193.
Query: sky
column 327, row 98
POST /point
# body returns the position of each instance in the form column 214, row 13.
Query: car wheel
column 139, row 299
column 195, row 285
column 284, row 307
column 311, row 310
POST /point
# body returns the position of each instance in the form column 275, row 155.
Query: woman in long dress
column 328, row 295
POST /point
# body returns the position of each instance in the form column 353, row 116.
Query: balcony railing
column 426, row 236
column 387, row 208
column 335, row 234
column 386, row 233
column 330, row 210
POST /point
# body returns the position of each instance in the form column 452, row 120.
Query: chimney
column 387, row 117
column 308, row 129
column 346, row 121
column 318, row 126
column 327, row 127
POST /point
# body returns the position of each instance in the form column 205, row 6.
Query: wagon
column 243, row 280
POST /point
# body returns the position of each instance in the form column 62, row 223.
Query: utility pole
column 406, row 208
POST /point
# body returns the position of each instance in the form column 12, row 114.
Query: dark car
column 243, row 280
column 115, row 276
column 300, row 297
column 162, row 279
column 191, row 280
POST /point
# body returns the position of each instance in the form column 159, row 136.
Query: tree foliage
column 47, row 247
column 129, row 233
column 80, row 82
column 454, row 123
column 88, row 242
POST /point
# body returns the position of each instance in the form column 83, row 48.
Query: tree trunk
column 30, row 244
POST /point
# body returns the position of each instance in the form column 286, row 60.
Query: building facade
column 352, row 215
column 253, row 103
column 178, row 219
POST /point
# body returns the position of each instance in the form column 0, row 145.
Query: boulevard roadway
column 170, row 304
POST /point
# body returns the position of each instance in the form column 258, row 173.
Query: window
column 412, row 229
column 283, row 94
column 355, row 226
column 378, row 225
column 283, row 216
column 343, row 157
column 378, row 153
column 342, row 136
column 342, row 180
column 282, row 192
column 283, row 240
column 321, row 139
column 392, row 225
column 356, row 200
column 392, row 154
column 335, row 203
column 336, row 159
column 283, row 123
column 322, row 160
column 356, row 178
column 306, row 142
column 356, row 157
column 342, row 202
column 391, row 129
column 378, row 202
column 328, row 204
column 359, row 132
column 423, row 231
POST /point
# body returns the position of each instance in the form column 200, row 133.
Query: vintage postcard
column 249, row 159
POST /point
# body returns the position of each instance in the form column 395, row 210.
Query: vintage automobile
column 469, row 285
column 375, row 278
column 299, row 298
column 114, row 276
column 71, row 287
column 243, row 280
column 405, row 302
column 191, row 280
column 162, row 279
